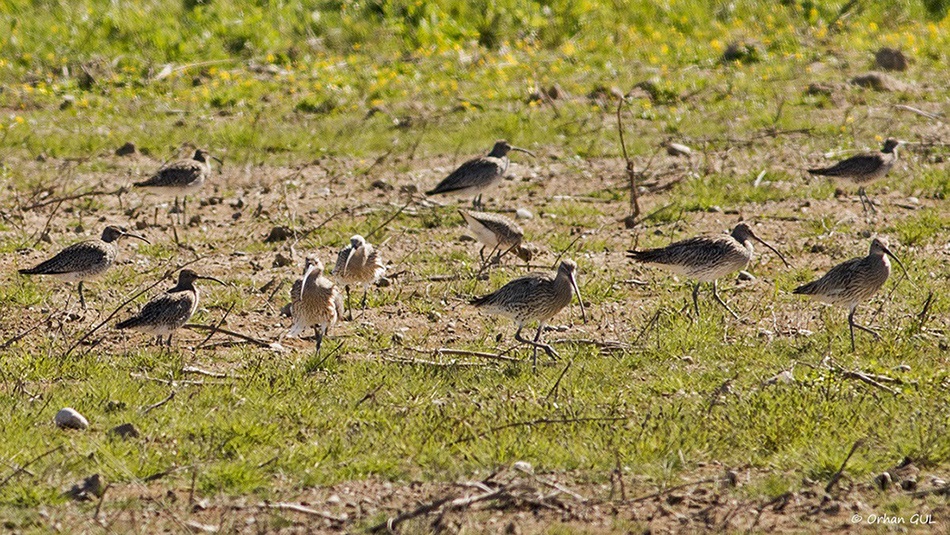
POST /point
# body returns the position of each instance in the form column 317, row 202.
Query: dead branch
column 154, row 406
column 213, row 329
column 73, row 197
column 631, row 220
column 675, row 488
column 216, row 326
column 207, row 373
column 282, row 506
column 863, row 377
column 23, row 468
column 421, row 362
column 834, row 479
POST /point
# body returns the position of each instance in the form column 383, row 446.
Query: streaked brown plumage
column 478, row 174
column 705, row 258
column 166, row 313
column 852, row 282
column 497, row 233
column 864, row 168
column 85, row 260
column 316, row 302
column 535, row 297
column 358, row 263
column 181, row 177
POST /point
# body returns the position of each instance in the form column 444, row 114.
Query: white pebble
column 69, row 418
column 523, row 466
column 524, row 213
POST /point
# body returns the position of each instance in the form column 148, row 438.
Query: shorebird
column 535, row 297
column 315, row 302
column 706, row 259
column 358, row 263
column 498, row 233
column 851, row 282
column 864, row 168
column 181, row 177
column 85, row 260
column 478, row 174
column 167, row 312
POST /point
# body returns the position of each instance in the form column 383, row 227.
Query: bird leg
column 363, row 301
column 477, row 202
column 82, row 299
column 696, row 300
column 537, row 345
column 852, row 325
column 866, row 201
column 169, row 342
column 349, row 307
column 721, row 302
column 319, row 335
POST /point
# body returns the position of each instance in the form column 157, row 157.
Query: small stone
column 819, row 89
column 381, row 185
column 730, row 479
column 69, row 418
column 398, row 338
column 902, row 368
column 279, row 233
column 68, row 101
column 883, row 481
column 141, row 224
column 434, row 316
column 523, row 466
column 524, row 213
column 194, row 220
column 126, row 430
column 408, row 189
column 878, row 82
column 743, row 52
column 280, row 260
column 90, row 487
column 909, row 483
column 746, row 276
column 127, row 149
column 334, row 500
column 677, row 149
column 891, row 59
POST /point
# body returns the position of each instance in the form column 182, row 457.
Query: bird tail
column 478, row 301
column 28, row 271
column 646, row 255
column 806, row 289
column 128, row 324
column 821, row 172
column 434, row 191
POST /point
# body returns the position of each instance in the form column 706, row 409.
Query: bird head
column 114, row 232
column 743, row 233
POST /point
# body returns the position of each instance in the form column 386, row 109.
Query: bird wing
column 168, row 309
column 342, row 259
column 691, row 251
column 295, row 290
column 77, row 257
column 179, row 173
column 838, row 280
column 517, row 291
column 856, row 165
column 473, row 173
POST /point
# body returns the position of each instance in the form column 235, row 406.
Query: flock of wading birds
column 317, row 303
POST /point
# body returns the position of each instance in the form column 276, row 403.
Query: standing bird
column 478, row 174
column 854, row 281
column 705, row 259
column 316, row 302
column 498, row 233
column 358, row 263
column 167, row 312
column 181, row 177
column 535, row 297
column 864, row 168
column 85, row 260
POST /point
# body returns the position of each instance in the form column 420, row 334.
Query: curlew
column 497, row 233
column 315, row 302
column 864, row 168
column 181, row 177
column 478, row 174
column 854, row 281
column 167, row 312
column 358, row 263
column 535, row 297
column 705, row 259
column 85, row 260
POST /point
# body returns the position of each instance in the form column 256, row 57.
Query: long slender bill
column 774, row 250
column 579, row 298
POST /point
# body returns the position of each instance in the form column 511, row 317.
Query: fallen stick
column 282, row 506
column 207, row 373
column 855, row 374
column 463, row 352
column 22, row 469
column 154, row 406
column 449, row 503
column 421, row 362
column 213, row 329
column 674, row 489
column 834, row 479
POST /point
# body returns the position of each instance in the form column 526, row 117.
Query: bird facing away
column 85, row 260
column 864, row 168
column 181, row 177
column 497, row 233
column 705, row 258
column 358, row 263
column 854, row 281
column 167, row 312
column 478, row 174
column 535, row 297
column 316, row 302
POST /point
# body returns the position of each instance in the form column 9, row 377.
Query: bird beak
column 136, row 236
column 222, row 283
column 899, row 263
column 579, row 298
column 773, row 249
column 526, row 151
